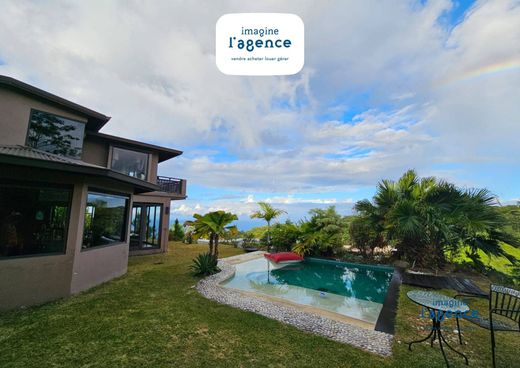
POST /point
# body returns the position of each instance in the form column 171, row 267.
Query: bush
column 364, row 237
column 205, row 264
column 249, row 240
column 323, row 234
column 284, row 236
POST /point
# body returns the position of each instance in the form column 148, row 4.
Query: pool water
column 353, row 290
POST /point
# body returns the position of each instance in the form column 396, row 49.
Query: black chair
column 503, row 302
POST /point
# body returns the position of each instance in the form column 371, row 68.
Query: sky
column 387, row 86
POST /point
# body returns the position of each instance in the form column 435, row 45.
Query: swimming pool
column 349, row 289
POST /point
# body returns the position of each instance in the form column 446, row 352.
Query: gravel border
column 373, row 341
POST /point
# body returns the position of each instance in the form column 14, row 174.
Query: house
column 74, row 202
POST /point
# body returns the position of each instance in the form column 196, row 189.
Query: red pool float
column 283, row 258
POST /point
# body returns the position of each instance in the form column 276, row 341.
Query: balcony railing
column 172, row 185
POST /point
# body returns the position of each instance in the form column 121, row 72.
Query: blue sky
column 387, row 86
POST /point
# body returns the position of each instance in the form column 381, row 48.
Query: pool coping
column 376, row 342
column 386, row 320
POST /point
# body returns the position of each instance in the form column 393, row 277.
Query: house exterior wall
column 152, row 172
column 100, row 264
column 15, row 110
column 99, row 152
column 37, row 279
column 32, row 280
column 95, row 152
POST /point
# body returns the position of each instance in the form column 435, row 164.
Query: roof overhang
column 140, row 186
column 95, row 120
column 163, row 152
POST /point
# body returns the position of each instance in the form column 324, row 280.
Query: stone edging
column 373, row 341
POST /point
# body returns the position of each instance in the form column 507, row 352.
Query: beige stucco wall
column 97, row 265
column 95, row 152
column 15, row 110
column 152, row 172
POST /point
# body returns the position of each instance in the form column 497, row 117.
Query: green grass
column 501, row 269
column 152, row 317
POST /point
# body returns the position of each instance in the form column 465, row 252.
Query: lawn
column 504, row 270
column 152, row 317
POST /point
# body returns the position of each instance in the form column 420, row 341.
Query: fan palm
column 267, row 213
column 425, row 217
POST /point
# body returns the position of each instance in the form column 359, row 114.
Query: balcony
column 172, row 185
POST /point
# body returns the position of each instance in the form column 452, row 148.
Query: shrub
column 364, row 237
column 323, row 234
column 205, row 264
column 188, row 234
column 284, row 236
column 249, row 240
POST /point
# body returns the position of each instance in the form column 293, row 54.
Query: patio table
column 438, row 306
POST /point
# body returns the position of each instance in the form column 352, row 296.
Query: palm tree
column 268, row 213
column 214, row 225
column 201, row 229
column 426, row 217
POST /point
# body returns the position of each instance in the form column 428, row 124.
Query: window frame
column 43, row 185
column 126, row 221
column 33, row 110
column 148, row 160
column 146, row 205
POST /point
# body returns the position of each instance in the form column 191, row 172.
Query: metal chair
column 503, row 302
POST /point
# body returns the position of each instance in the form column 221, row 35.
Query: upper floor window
column 55, row 134
column 132, row 163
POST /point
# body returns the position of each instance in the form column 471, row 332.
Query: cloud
column 296, row 208
column 327, row 159
column 386, row 86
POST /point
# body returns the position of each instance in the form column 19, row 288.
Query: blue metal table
column 438, row 305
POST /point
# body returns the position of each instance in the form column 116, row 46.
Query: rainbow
column 483, row 71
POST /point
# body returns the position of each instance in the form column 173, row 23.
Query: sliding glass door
column 145, row 226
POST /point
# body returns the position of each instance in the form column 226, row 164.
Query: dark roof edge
column 142, row 185
column 14, row 83
column 164, row 152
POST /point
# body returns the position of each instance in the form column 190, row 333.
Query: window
column 54, row 134
column 132, row 163
column 145, row 226
column 105, row 219
column 33, row 219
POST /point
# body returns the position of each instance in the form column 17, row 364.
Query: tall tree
column 176, row 231
column 267, row 213
column 425, row 217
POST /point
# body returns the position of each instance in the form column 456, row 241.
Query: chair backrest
column 505, row 302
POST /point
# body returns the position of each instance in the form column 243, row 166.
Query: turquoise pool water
column 353, row 290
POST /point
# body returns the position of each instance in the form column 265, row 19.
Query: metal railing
column 172, row 185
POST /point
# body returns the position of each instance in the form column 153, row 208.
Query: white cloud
column 151, row 66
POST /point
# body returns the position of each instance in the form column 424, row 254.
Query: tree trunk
column 216, row 246
column 211, row 243
column 268, row 235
